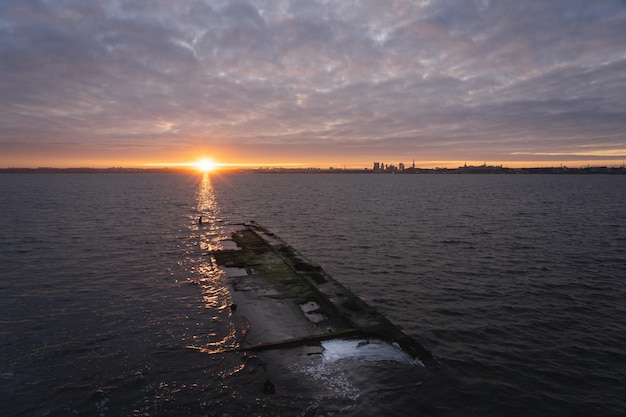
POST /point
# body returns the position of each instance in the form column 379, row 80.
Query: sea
column 110, row 299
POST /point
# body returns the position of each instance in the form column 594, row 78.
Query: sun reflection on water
column 207, row 206
column 217, row 331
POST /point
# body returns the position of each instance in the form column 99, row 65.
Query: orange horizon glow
column 210, row 164
column 215, row 163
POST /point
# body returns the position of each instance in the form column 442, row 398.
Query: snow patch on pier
column 365, row 349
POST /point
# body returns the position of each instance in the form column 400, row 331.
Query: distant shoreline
column 423, row 171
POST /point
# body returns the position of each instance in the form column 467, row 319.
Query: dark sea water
column 516, row 284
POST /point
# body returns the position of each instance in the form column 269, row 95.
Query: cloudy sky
column 312, row 82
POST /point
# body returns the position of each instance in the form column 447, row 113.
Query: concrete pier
column 289, row 301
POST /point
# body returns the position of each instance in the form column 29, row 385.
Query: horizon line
column 255, row 167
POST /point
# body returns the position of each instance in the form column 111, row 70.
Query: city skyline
column 312, row 83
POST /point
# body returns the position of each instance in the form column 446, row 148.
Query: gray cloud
column 440, row 79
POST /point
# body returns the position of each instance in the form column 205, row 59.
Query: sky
column 312, row 82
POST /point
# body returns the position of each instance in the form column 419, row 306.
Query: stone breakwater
column 289, row 301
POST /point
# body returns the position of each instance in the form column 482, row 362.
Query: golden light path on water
column 207, row 231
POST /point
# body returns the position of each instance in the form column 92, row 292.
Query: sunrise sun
column 205, row 165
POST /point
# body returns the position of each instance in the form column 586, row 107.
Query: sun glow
column 205, row 165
